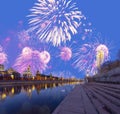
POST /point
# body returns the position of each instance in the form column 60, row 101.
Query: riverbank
column 18, row 82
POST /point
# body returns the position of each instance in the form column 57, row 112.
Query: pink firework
column 89, row 56
column 66, row 53
column 6, row 42
column 27, row 52
column 23, row 35
column 45, row 57
column 31, row 58
column 3, row 58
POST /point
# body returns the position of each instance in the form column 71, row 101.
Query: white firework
column 54, row 20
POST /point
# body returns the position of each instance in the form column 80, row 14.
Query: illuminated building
column 2, row 70
column 27, row 73
column 10, row 71
column 38, row 76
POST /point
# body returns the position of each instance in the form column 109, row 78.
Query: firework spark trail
column 32, row 58
column 86, row 57
column 3, row 56
column 54, row 21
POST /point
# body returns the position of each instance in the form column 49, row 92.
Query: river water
column 32, row 99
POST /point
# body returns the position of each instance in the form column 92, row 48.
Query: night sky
column 103, row 14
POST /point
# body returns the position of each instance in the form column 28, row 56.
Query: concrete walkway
column 91, row 99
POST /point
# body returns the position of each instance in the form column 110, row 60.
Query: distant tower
column 102, row 54
column 38, row 76
column 99, row 58
column 38, row 73
column 28, row 69
column 28, row 72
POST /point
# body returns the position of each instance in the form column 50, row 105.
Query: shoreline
column 16, row 82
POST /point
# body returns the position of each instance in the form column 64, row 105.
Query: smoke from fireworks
column 54, row 20
column 89, row 56
column 33, row 58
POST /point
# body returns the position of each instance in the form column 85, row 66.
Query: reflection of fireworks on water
column 3, row 56
column 34, row 58
column 55, row 21
column 87, row 58
column 66, row 53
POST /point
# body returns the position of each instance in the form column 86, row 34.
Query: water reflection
column 32, row 99
column 9, row 91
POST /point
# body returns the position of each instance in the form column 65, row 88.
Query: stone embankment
column 91, row 98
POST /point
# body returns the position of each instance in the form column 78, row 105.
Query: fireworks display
column 66, row 53
column 90, row 56
column 45, row 57
column 3, row 56
column 27, row 52
column 57, row 38
column 54, row 20
column 23, row 37
column 33, row 58
column 27, row 39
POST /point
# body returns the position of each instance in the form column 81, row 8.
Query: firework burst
column 90, row 56
column 66, row 53
column 45, row 56
column 3, row 56
column 23, row 37
column 33, row 58
column 54, row 20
